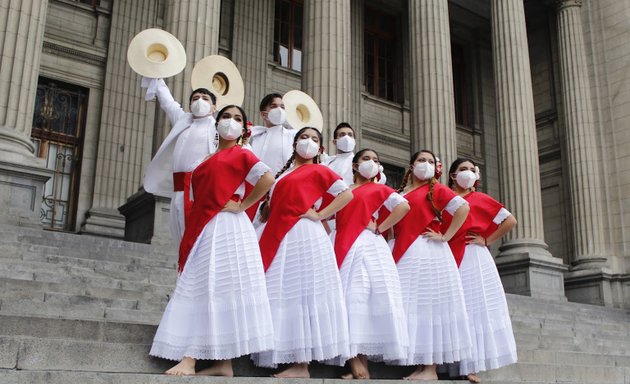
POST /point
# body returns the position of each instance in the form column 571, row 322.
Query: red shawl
column 483, row 209
column 214, row 182
column 293, row 195
column 420, row 217
column 356, row 216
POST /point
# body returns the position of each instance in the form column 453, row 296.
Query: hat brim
column 156, row 54
column 219, row 75
column 302, row 111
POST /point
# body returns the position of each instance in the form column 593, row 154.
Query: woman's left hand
column 233, row 207
column 475, row 238
column 312, row 215
column 433, row 235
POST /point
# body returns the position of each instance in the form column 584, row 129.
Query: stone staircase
column 82, row 309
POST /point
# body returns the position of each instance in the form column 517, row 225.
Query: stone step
column 83, row 280
column 64, row 377
column 89, row 310
column 151, row 294
column 86, row 330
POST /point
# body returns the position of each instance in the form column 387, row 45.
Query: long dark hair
column 358, row 155
column 453, row 168
column 241, row 110
column 432, row 182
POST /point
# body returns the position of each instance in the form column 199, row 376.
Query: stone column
column 327, row 60
column 196, row 24
column 356, row 82
column 583, row 163
column 125, row 131
column 432, row 98
column 525, row 264
column 253, row 34
column 22, row 175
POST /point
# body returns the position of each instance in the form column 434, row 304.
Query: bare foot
column 347, row 376
column 358, row 367
column 424, row 373
column 219, row 368
column 295, row 371
column 186, row 367
column 473, row 378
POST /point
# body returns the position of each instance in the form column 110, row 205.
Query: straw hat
column 219, row 75
column 302, row 111
column 156, row 54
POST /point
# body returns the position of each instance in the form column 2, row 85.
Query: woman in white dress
column 376, row 317
column 219, row 309
column 431, row 287
column 490, row 323
column 307, row 305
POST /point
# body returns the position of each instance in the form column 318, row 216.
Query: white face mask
column 346, row 143
column 277, row 116
column 200, row 108
column 466, row 179
column 424, row 171
column 229, row 129
column 307, row 148
column 368, row 169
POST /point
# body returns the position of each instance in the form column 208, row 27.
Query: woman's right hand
column 312, row 215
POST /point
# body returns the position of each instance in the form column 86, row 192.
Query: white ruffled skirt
column 490, row 325
column 307, row 304
column 219, row 309
column 434, row 303
column 376, row 317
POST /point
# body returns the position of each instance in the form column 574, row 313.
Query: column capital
column 562, row 4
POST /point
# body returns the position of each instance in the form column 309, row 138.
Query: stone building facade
column 535, row 91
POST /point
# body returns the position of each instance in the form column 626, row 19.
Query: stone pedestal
column 524, row 262
column 147, row 218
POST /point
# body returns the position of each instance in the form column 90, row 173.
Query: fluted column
column 22, row 34
column 196, row 24
column 253, row 34
column 526, row 265
column 432, row 98
column 327, row 58
column 21, row 174
column 581, row 143
column 356, row 84
column 126, row 127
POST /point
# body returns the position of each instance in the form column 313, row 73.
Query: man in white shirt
column 273, row 142
column 341, row 163
column 191, row 140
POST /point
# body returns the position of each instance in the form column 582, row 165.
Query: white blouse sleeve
column 337, row 187
column 256, row 172
column 502, row 215
column 454, row 204
column 393, row 201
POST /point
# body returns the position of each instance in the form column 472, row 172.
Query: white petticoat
column 376, row 316
column 307, row 305
column 219, row 309
column 434, row 303
column 490, row 324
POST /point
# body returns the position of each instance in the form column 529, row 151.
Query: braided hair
column 264, row 207
column 432, row 182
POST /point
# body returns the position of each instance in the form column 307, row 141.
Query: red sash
column 251, row 211
column 293, row 195
column 181, row 182
column 356, row 216
column 483, row 210
column 214, row 182
column 420, row 217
